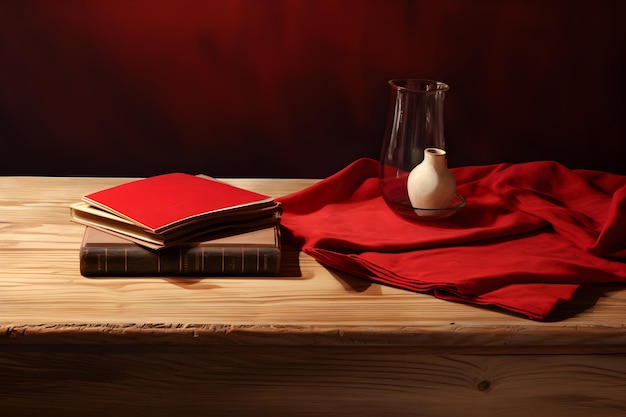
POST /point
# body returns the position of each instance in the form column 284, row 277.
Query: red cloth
column 530, row 236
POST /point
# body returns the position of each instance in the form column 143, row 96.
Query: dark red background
column 299, row 88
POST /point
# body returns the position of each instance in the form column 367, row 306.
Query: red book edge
column 159, row 202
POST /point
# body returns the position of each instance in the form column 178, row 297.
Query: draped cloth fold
column 530, row 236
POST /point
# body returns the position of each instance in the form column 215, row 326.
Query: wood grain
column 352, row 381
column 310, row 341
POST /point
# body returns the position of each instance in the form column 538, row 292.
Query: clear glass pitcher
column 415, row 124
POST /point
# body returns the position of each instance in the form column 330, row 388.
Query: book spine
column 193, row 261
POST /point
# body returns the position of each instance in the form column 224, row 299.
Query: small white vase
column 431, row 185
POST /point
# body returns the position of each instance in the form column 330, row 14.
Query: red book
column 172, row 208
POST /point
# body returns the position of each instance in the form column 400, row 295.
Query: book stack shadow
column 178, row 225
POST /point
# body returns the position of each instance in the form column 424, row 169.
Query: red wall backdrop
column 299, row 87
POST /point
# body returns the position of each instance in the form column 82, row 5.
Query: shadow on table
column 584, row 300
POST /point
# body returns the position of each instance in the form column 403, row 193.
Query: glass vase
column 415, row 128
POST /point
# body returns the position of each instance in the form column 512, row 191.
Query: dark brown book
column 253, row 253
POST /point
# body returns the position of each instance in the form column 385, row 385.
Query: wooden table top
column 44, row 299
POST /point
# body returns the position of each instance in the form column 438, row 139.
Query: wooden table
column 310, row 342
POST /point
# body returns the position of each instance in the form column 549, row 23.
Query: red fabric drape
column 530, row 236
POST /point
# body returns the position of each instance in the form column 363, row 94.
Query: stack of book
column 178, row 224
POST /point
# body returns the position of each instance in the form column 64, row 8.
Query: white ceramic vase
column 431, row 185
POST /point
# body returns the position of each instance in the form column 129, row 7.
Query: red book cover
column 164, row 201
